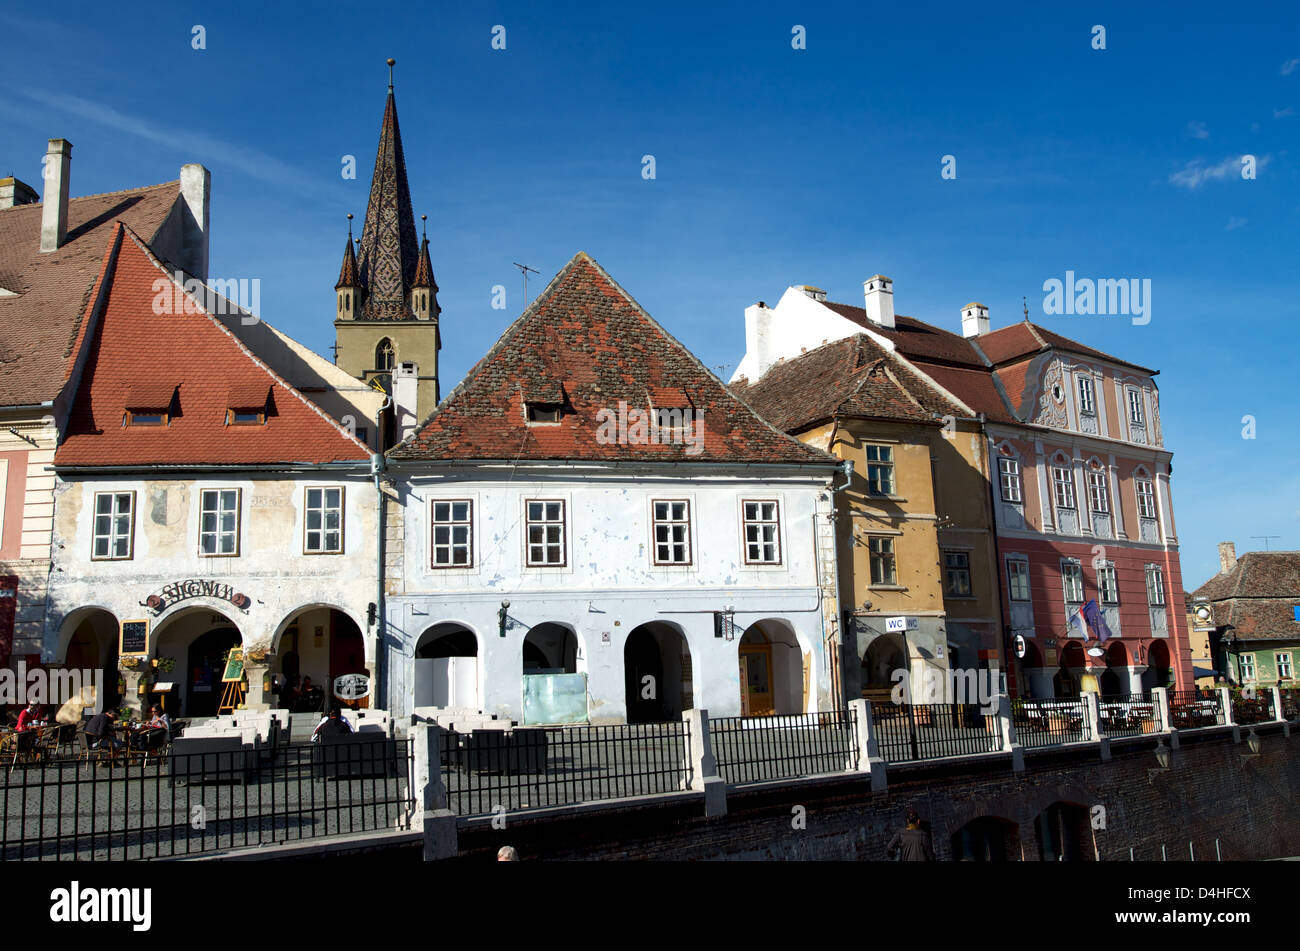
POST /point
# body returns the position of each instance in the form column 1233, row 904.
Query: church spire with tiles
column 387, row 300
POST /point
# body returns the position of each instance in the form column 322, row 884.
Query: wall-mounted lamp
column 1252, row 742
column 502, row 618
column 1164, row 755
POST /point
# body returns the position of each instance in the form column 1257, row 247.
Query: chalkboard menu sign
column 134, row 638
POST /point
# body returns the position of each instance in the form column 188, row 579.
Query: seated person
column 158, row 719
column 335, row 724
column 27, row 719
column 100, row 729
column 312, row 697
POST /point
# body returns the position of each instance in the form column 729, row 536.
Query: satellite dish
column 1096, row 652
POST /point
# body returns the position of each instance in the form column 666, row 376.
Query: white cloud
column 1197, row 130
column 1283, row 113
column 1289, row 66
column 1235, row 223
column 1196, row 172
column 194, row 146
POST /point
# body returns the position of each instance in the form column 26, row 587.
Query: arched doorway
column 553, row 689
column 550, row 649
column 322, row 644
column 1066, row 681
column 92, row 649
column 773, row 678
column 657, row 673
column 1037, row 676
column 885, row 655
column 1064, row 833
column 197, row 641
column 1114, row 680
column 446, row 668
column 1157, row 673
column 986, row 839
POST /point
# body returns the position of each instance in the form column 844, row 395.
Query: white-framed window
column 1018, row 579
column 1098, row 497
column 956, row 574
column 762, row 533
column 880, row 470
column 1146, row 496
column 1072, row 581
column 1063, row 485
column 323, row 525
column 1107, row 585
column 1087, row 396
column 1155, row 586
column 884, row 568
column 219, row 522
column 545, row 525
column 1135, row 407
column 452, row 533
column 1247, row 662
column 114, row 533
column 1283, row 665
column 1009, row 479
column 672, row 531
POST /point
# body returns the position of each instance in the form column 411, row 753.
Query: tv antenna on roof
column 525, row 270
column 1266, row 538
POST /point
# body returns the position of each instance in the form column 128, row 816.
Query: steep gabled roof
column 142, row 341
column 853, row 376
column 38, row 326
column 1258, row 597
column 585, row 343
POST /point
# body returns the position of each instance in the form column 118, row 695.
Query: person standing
column 913, row 843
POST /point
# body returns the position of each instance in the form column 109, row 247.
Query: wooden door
column 756, row 680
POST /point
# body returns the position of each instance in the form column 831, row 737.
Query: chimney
column 816, row 293
column 54, row 216
column 879, row 292
column 196, row 190
column 1227, row 557
column 406, row 381
column 15, row 192
column 974, row 320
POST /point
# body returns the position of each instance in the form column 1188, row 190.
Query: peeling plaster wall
column 271, row 568
column 609, row 585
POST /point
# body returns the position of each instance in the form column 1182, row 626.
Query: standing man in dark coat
column 913, row 842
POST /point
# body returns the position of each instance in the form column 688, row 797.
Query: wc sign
column 897, row 625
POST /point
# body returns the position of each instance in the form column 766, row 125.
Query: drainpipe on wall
column 838, row 633
column 1003, row 626
column 377, row 470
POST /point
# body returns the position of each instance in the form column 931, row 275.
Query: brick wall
column 1214, row 790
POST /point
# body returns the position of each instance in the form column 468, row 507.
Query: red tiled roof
column 974, row 387
column 915, row 338
column 853, row 376
column 131, row 344
column 587, row 334
column 39, row 326
column 1018, row 340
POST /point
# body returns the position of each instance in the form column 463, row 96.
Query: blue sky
column 774, row 166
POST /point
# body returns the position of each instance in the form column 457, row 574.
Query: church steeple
column 386, row 323
column 347, row 286
column 389, row 251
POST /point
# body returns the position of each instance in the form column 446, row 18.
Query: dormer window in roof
column 246, row 404
column 150, row 403
column 544, row 402
column 672, row 413
column 543, row 412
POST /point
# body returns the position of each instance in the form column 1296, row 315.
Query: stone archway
column 657, row 673
column 986, row 839
column 196, row 640
column 446, row 671
column 885, row 655
column 1157, row 673
column 1064, row 833
column 774, row 680
column 320, row 643
column 88, row 643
